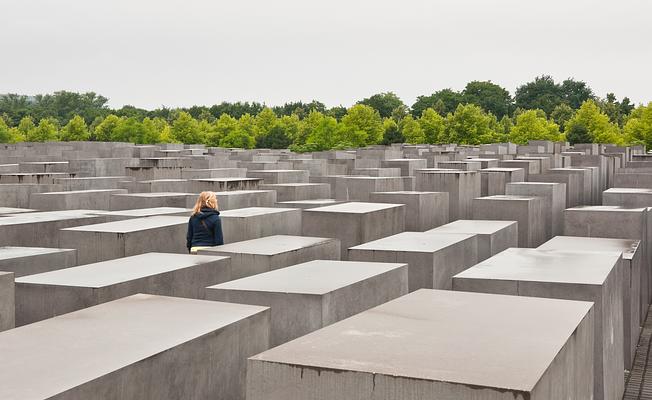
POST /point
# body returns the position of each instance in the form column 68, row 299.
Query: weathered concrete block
column 255, row 256
column 493, row 180
column 7, row 302
column 354, row 223
column 127, row 237
column 92, row 183
column 132, row 201
column 272, row 176
column 417, row 348
column 256, row 222
column 59, row 292
column 582, row 276
column 572, row 183
column 526, row 210
column 627, row 197
column 146, row 212
column 305, row 204
column 462, row 187
column 554, row 202
column 424, row 210
column 530, row 167
column 34, row 260
column 157, row 186
column 632, row 253
column 432, row 258
column 245, row 198
column 377, row 172
column 17, row 195
column 309, row 296
column 406, row 165
column 493, row 236
column 224, row 184
column 359, row 188
column 299, row 191
column 130, row 348
column 81, row 199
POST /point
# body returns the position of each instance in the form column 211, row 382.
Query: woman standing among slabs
column 204, row 226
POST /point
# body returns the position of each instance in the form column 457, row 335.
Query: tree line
column 483, row 112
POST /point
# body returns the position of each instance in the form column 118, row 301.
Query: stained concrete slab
column 493, row 236
column 308, row 296
column 462, row 186
column 7, row 301
column 584, row 276
column 417, row 348
column 54, row 293
column 354, row 223
column 528, row 211
column 140, row 347
column 256, row 222
column 251, row 257
column 35, row 260
column 111, row 240
column 424, row 210
column 554, row 203
column 433, row 259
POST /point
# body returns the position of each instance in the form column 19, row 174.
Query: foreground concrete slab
column 632, row 253
column 35, row 260
column 127, row 237
column 354, row 223
column 251, row 257
column 417, row 348
column 59, row 292
column 256, row 222
column 582, row 276
column 433, row 259
column 309, row 296
column 130, row 348
column 528, row 211
column 493, row 236
column 7, row 302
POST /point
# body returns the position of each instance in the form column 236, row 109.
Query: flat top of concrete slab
column 74, row 192
column 99, row 340
column 11, row 210
column 254, row 211
column 445, row 171
column 577, row 243
column 497, row 169
column 120, row 270
column 147, row 212
column 536, row 183
column 268, row 245
column 605, row 209
column 408, row 192
column 317, row 277
column 11, row 252
column 273, row 185
column 414, row 242
column 629, row 190
column 355, row 207
column 47, row 216
column 274, row 171
column 472, row 226
column 163, row 180
column 224, row 179
column 155, row 194
column 533, row 265
column 501, row 197
column 316, row 201
column 131, row 225
column 423, row 336
column 88, row 178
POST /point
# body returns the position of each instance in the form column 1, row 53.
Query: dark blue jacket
column 204, row 229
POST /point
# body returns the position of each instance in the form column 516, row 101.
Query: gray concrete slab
column 528, row 211
column 493, row 236
column 462, row 187
column 35, row 260
column 627, row 197
column 359, row 188
column 146, row 212
column 305, row 204
column 70, row 200
column 245, row 198
column 554, row 202
column 585, row 276
column 417, row 348
column 7, row 301
column 493, row 180
column 131, row 201
column 271, row 176
column 4, row 211
column 354, row 223
column 141, row 347
column 59, row 292
column 424, row 210
column 308, row 296
column 299, row 191
column 256, row 222
column 129, row 237
column 251, row 257
column 433, row 259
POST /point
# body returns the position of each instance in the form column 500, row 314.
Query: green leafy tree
column 224, row 126
column 5, row 132
column 433, row 126
column 532, row 126
column 26, row 125
column 638, row 129
column 575, row 93
column 185, row 129
column 469, row 124
column 238, row 139
column 578, row 133
column 247, row 124
column 600, row 129
column 75, row 130
column 392, row 133
column 150, row 132
column 443, row 101
column 104, row 131
column 412, row 131
column 542, row 93
column 561, row 114
column 276, row 138
column 362, row 126
column 127, row 130
column 384, row 103
column 322, row 132
column 491, row 97
column 46, row 131
column 292, row 126
column 265, row 121
column 506, row 125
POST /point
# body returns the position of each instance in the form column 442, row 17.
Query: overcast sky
column 178, row 53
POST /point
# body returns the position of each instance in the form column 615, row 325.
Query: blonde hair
column 205, row 200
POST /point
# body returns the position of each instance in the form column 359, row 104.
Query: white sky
column 179, row 53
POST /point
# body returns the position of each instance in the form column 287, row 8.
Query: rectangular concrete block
column 223, row 184
column 632, row 253
column 79, row 199
column 7, row 301
column 311, row 295
column 495, row 179
column 417, row 347
column 424, row 210
column 572, row 183
column 493, row 236
column 627, row 197
column 354, row 223
column 462, row 187
column 146, row 212
column 140, row 347
column 359, row 188
column 272, row 176
column 157, row 186
column 556, row 274
column 35, row 260
column 256, row 222
column 299, row 191
column 433, row 259
column 554, row 202
column 132, row 201
column 49, row 294
column 406, row 165
column 526, row 210
column 129, row 237
column 255, row 256
column 306, row 204
column 245, row 198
